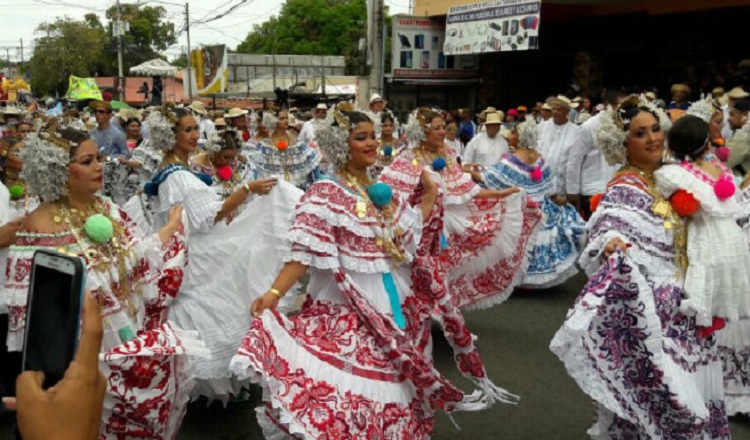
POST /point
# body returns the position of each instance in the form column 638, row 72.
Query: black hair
column 357, row 118
column 688, row 137
column 230, row 141
column 629, row 109
column 742, row 105
column 132, row 120
column 387, row 117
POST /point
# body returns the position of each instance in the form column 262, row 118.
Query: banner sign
column 416, row 51
column 496, row 26
column 80, row 89
column 211, row 73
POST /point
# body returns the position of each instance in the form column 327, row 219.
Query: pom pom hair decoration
column 594, row 201
column 99, row 228
column 388, row 151
column 684, row 203
column 723, row 153
column 17, row 191
column 380, row 194
column 724, row 188
column 536, row 174
column 438, row 164
column 224, row 173
column 282, row 145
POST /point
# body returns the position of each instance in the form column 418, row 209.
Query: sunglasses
column 102, row 112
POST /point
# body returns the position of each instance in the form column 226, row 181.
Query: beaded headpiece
column 162, row 124
column 334, row 138
column 704, row 108
column 46, row 159
column 615, row 123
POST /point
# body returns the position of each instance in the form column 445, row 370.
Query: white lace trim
column 200, row 201
column 670, row 178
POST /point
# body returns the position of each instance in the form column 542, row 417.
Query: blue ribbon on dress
column 443, row 241
column 390, row 287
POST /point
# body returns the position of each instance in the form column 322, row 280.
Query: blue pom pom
column 388, row 151
column 380, row 194
column 205, row 178
column 438, row 164
column 151, row 189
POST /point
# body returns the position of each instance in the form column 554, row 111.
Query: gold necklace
column 390, row 239
column 663, row 208
column 100, row 257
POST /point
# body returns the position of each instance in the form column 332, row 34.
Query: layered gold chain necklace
column 101, row 257
column 391, row 235
column 663, row 208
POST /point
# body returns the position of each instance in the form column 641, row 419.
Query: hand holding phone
column 71, row 409
column 53, row 314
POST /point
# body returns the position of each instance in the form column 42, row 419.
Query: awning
column 155, row 67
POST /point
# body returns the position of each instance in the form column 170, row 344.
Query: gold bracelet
column 275, row 292
column 247, row 188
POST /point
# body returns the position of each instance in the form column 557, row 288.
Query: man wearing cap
column 207, row 128
column 111, row 141
column 236, row 118
column 487, row 148
column 734, row 95
column 10, row 116
column 307, row 134
column 511, row 119
column 556, row 137
column 522, row 112
column 587, row 172
column 680, row 97
column 739, row 145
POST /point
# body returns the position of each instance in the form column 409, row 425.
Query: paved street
column 513, row 340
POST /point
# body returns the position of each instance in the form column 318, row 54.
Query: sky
column 20, row 18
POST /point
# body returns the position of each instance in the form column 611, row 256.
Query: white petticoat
column 227, row 269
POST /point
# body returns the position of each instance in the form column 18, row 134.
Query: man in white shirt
column 307, row 134
column 587, row 172
column 556, row 138
column 488, row 147
column 734, row 95
column 206, row 125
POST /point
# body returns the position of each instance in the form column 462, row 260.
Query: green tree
column 149, row 33
column 314, row 27
column 66, row 47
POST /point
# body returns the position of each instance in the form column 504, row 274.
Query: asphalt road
column 513, row 340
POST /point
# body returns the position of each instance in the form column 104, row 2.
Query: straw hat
column 493, row 119
column 738, row 93
column 11, row 111
column 650, row 96
column 322, row 106
column 220, row 122
column 198, row 107
column 680, row 87
column 560, row 100
column 546, row 106
column 373, row 98
column 235, row 112
column 95, row 104
column 488, row 110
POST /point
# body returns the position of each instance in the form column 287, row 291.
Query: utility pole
column 21, row 69
column 189, row 58
column 377, row 46
column 118, row 29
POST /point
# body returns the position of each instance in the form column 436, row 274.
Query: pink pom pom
column 536, row 174
column 723, row 153
column 224, row 173
column 724, row 188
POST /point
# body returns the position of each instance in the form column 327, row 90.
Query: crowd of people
column 311, row 258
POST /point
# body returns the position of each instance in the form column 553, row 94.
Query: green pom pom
column 17, row 190
column 99, row 228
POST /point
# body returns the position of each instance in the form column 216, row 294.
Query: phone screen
column 52, row 322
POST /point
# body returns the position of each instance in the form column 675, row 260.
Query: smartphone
column 53, row 314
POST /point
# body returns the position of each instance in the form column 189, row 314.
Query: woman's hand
column 262, row 187
column 614, row 245
column 427, row 183
column 174, row 224
column 267, row 301
column 72, row 409
column 8, row 232
column 560, row 199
